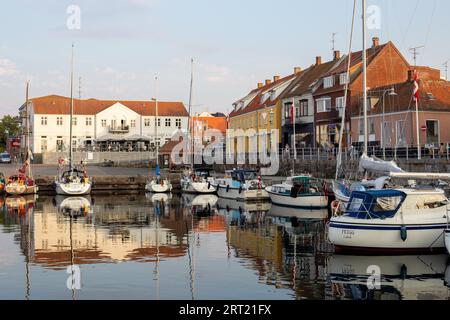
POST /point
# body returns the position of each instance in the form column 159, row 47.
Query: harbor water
column 192, row 247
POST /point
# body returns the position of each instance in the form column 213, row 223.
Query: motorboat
column 242, row 185
column 304, row 192
column 197, row 181
column 391, row 220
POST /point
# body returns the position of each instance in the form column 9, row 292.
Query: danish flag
column 416, row 87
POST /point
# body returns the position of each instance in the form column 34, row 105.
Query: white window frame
column 133, row 123
column 340, row 105
column 319, row 104
column 59, row 121
column 168, row 122
column 178, row 123
column 104, row 123
column 328, row 82
column 343, row 78
column 147, row 122
column 88, row 121
column 44, row 121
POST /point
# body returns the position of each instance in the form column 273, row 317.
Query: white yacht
column 391, row 220
column 197, row 181
column 241, row 185
column 300, row 192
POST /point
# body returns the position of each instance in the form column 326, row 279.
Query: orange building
column 206, row 121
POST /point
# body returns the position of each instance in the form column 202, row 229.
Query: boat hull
column 301, row 202
column 16, row 189
column 155, row 187
column 365, row 237
column 242, row 195
column 197, row 187
column 73, row 189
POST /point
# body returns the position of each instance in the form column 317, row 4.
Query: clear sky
column 122, row 44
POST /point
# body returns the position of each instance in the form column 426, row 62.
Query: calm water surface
column 190, row 247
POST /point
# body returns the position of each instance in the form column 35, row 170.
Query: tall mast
column 364, row 58
column 366, row 131
column 156, row 125
column 190, row 106
column 27, row 133
column 71, row 112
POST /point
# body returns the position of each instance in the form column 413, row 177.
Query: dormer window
column 328, row 82
column 430, row 96
column 343, row 78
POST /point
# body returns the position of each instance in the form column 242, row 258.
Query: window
column 59, row 121
column 74, row 121
column 147, row 122
column 370, row 124
column 304, row 108
column 343, row 78
column 43, row 144
column 324, row 105
column 133, row 123
column 178, row 123
column 59, row 144
column 167, row 122
column 287, row 110
column 328, row 82
column 340, row 103
column 103, row 123
column 43, row 121
column 159, row 122
column 432, row 132
column 89, row 121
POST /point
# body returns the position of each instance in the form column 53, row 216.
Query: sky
column 122, row 45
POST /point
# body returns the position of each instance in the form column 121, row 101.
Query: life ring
column 336, row 208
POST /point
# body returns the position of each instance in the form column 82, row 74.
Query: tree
column 9, row 127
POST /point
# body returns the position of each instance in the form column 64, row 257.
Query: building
column 260, row 111
column 206, row 121
column 96, row 121
column 300, row 92
column 385, row 66
column 392, row 116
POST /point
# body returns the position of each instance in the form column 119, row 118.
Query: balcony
column 119, row 129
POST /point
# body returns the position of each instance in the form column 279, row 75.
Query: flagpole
column 419, row 151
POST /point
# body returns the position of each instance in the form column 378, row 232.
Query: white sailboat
column 191, row 181
column 242, row 185
column 23, row 182
column 72, row 182
column 158, row 184
column 390, row 220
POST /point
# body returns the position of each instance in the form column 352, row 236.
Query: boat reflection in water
column 76, row 206
column 201, row 205
column 401, row 277
column 20, row 205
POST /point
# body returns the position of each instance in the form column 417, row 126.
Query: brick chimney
column 297, row 70
column 268, row 81
column 318, row 60
column 375, row 42
column 260, row 85
column 337, row 55
column 276, row 78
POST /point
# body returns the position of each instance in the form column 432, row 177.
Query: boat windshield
column 379, row 204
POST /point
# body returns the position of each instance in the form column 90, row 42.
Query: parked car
column 5, row 158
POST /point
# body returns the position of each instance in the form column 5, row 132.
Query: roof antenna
column 445, row 64
column 333, row 41
column 415, row 53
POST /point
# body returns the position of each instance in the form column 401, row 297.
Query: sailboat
column 157, row 184
column 192, row 181
column 389, row 220
column 73, row 181
column 23, row 182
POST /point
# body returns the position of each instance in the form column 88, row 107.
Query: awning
column 120, row 138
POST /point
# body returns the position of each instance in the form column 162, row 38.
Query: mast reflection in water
column 188, row 247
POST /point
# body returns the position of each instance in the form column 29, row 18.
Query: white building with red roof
column 96, row 121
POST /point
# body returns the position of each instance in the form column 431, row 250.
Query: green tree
column 9, row 127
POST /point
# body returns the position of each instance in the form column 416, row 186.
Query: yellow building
column 258, row 115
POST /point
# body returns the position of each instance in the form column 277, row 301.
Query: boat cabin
column 306, row 185
column 73, row 175
column 241, row 175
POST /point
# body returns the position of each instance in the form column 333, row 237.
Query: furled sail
column 377, row 165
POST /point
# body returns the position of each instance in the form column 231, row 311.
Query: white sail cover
column 377, row 165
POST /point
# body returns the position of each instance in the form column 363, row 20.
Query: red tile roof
column 54, row 104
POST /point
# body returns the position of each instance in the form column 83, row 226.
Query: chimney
column 297, row 70
column 318, row 60
column 276, row 78
column 268, row 81
column 337, row 55
column 375, row 42
column 260, row 85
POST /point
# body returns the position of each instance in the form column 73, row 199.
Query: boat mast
column 191, row 144
column 156, row 124
column 71, row 112
column 27, row 132
column 364, row 58
column 347, row 82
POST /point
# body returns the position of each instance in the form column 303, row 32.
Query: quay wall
column 118, row 158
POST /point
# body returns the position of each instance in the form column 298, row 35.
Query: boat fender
column 403, row 233
column 240, row 189
column 209, row 185
column 228, row 187
column 403, row 272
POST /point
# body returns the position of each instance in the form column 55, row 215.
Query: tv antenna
column 445, row 64
column 333, row 41
column 415, row 53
